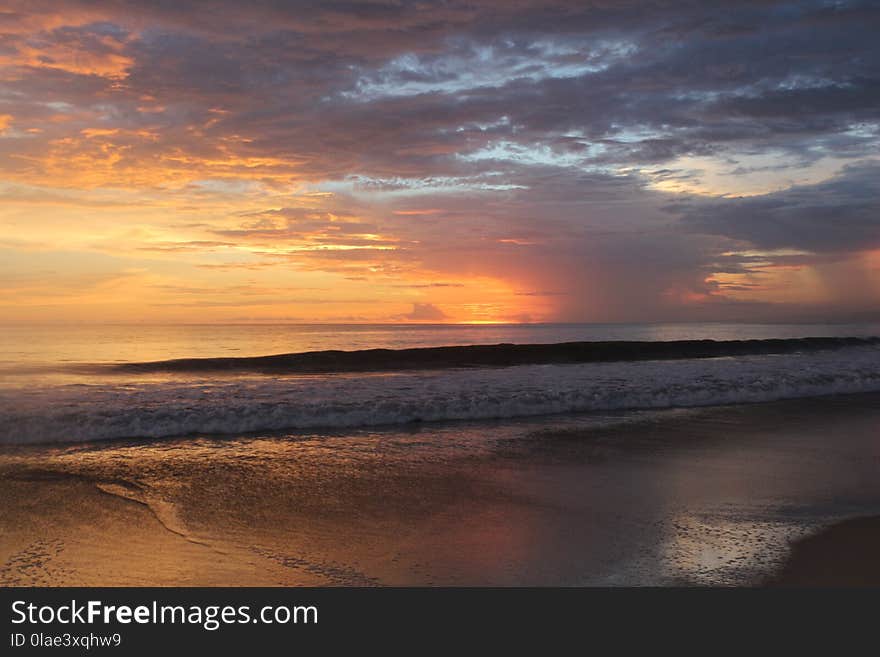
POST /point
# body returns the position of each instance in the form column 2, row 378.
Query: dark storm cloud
column 841, row 214
column 425, row 84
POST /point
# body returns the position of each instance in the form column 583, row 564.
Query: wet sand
column 711, row 496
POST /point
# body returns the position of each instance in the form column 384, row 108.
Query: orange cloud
column 70, row 58
column 418, row 212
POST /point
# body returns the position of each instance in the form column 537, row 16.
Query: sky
column 474, row 162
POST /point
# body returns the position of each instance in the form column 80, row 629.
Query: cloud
column 618, row 154
column 840, row 214
column 604, row 87
column 422, row 312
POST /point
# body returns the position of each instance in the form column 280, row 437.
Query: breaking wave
column 497, row 355
column 113, row 409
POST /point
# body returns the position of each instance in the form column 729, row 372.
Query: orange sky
column 325, row 166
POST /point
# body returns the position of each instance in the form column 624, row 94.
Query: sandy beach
column 843, row 555
column 711, row 496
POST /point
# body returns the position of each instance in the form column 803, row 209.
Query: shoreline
column 843, row 555
column 701, row 497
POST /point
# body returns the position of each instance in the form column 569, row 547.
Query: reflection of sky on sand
column 717, row 551
column 734, row 507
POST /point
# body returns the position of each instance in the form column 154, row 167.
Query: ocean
column 85, row 383
column 178, row 455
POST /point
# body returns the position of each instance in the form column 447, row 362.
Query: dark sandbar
column 844, row 555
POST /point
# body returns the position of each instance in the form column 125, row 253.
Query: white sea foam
column 143, row 409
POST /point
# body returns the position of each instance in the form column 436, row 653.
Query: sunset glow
column 419, row 164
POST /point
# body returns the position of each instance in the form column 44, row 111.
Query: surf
column 246, row 403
